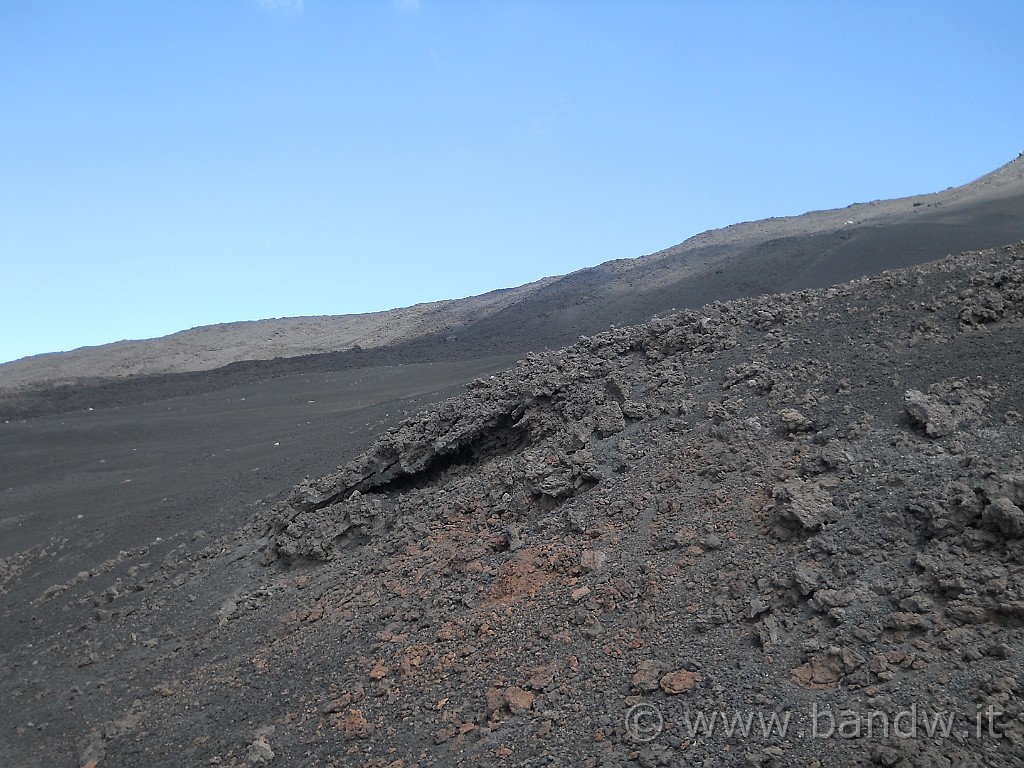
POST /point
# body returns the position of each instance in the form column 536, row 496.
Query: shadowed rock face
column 780, row 505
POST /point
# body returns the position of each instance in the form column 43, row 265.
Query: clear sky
column 165, row 165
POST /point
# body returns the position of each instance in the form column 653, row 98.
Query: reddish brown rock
column 679, row 681
column 822, row 671
column 355, row 725
column 519, row 701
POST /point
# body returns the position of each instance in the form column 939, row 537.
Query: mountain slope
column 805, row 507
column 809, row 251
column 814, row 250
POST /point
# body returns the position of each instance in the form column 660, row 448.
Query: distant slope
column 215, row 346
column 813, row 250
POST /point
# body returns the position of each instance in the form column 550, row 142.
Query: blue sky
column 165, row 165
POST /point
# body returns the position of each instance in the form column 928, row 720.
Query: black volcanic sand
column 80, row 487
column 142, row 627
column 789, row 504
column 18, row 404
column 127, row 474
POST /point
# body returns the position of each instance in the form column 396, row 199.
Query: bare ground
column 806, row 506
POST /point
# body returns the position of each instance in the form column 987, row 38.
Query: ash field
column 757, row 499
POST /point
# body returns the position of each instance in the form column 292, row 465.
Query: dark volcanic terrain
column 814, row 250
column 777, row 530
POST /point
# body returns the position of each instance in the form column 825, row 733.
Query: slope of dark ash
column 806, row 505
column 812, row 250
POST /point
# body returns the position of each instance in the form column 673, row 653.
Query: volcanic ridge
column 796, row 519
column 692, row 524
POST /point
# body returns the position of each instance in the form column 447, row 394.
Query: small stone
column 678, row 682
column 610, row 419
column 443, row 735
column 1004, row 516
column 260, row 753
column 519, row 701
column 794, row 421
column 902, row 621
column 227, row 610
column 579, row 593
column 822, row 671
column 593, row 560
column 757, row 607
column 356, row 726
column 647, row 675
column 495, row 699
column 541, row 677
column 808, row 578
column 942, row 410
column 768, row 632
column 805, row 503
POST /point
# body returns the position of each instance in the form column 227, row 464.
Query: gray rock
column 1005, row 516
column 805, row 503
column 935, row 418
column 610, row 419
column 593, row 560
column 944, row 407
column 648, row 675
column 794, row 421
column 259, row 752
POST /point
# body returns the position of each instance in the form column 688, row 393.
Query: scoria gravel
column 779, row 531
